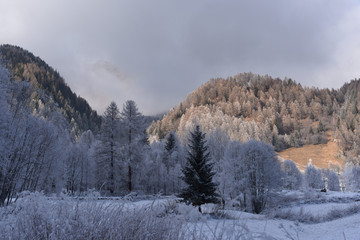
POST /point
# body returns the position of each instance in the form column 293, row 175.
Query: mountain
column 24, row 66
column 280, row 112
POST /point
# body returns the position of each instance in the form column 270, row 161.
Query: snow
column 261, row 226
column 283, row 229
column 317, row 209
column 228, row 224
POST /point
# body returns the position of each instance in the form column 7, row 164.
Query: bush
column 309, row 218
column 37, row 217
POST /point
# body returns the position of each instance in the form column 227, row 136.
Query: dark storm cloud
column 156, row 52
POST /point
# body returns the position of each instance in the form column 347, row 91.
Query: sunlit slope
column 321, row 155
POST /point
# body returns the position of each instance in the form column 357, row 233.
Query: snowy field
column 297, row 215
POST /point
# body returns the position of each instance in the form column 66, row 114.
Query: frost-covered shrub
column 313, row 177
column 340, row 213
column 332, row 180
column 311, row 195
column 352, row 178
column 299, row 216
column 309, row 217
column 190, row 213
column 37, row 217
column 292, row 176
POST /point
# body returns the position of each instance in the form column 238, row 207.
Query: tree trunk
column 129, row 180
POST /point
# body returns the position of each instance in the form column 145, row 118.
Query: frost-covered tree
column 170, row 147
column 86, row 144
column 217, row 142
column 30, row 145
column 229, row 173
column 172, row 162
column 292, row 176
column 73, row 163
column 4, row 115
column 332, row 179
column 260, row 173
column 198, row 174
column 154, row 172
column 313, row 177
column 132, row 122
column 352, row 177
column 107, row 151
column 79, row 166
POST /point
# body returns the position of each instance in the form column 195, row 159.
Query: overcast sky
column 156, row 52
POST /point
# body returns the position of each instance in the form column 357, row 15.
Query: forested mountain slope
column 280, row 112
column 24, row 66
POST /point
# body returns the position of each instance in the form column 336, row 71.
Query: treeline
column 38, row 154
column 38, row 150
column 24, row 66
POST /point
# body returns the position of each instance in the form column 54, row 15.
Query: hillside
column 322, row 123
column 280, row 112
column 327, row 155
column 24, row 66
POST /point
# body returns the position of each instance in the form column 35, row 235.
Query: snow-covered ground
column 300, row 215
column 284, row 229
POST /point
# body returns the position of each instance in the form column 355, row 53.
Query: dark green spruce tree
column 197, row 173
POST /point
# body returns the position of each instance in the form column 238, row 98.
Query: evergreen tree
column 170, row 142
column 198, row 174
column 171, row 161
column 133, row 138
column 107, row 151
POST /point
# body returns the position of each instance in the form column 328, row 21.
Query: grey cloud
column 109, row 68
column 156, row 52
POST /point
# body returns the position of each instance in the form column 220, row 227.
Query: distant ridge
column 280, row 112
column 24, row 66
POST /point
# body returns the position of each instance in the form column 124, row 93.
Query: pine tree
column 170, row 144
column 198, row 174
column 133, row 138
column 107, row 154
column 171, row 161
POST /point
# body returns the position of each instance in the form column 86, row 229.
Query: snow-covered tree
column 198, row 174
column 4, row 116
column 332, row 178
column 79, row 166
column 172, row 162
column 292, row 176
column 228, row 173
column 29, row 144
column 260, row 173
column 170, row 147
column 352, row 177
column 154, row 174
column 313, row 177
column 217, row 142
column 86, row 144
column 132, row 122
column 107, row 151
